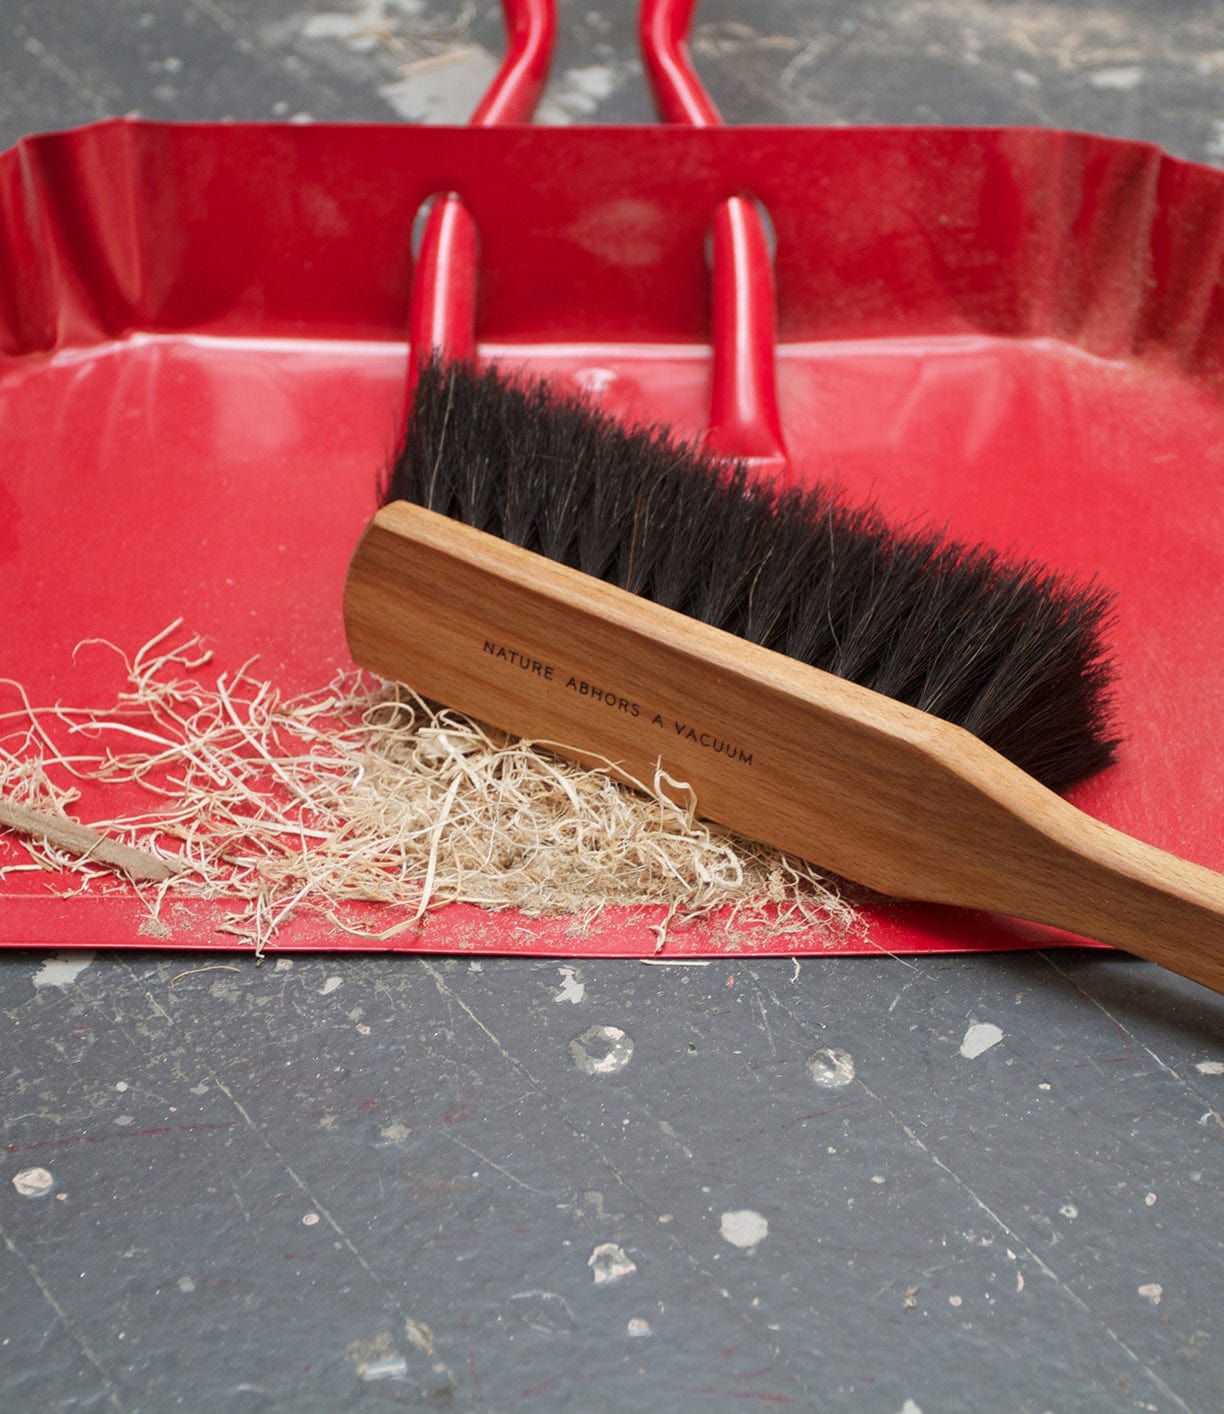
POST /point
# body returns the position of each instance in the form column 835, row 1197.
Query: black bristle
column 1009, row 651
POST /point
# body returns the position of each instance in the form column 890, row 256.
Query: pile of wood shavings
column 360, row 792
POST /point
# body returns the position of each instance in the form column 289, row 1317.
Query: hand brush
column 891, row 706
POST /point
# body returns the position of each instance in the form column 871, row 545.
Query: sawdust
column 362, row 793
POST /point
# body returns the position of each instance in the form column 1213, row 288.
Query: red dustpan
column 1015, row 332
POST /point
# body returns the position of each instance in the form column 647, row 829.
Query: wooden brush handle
column 855, row 782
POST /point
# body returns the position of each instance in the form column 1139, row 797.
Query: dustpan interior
column 1014, row 333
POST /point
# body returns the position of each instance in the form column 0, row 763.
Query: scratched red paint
column 752, row 1374
column 125, row 1134
column 746, row 1394
column 544, row 1387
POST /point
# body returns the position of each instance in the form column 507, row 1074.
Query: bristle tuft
column 1009, row 651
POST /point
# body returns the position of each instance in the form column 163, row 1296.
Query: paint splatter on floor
column 832, row 1068
column 743, row 1228
column 979, row 1038
column 601, row 1050
column 609, row 1262
column 62, row 969
column 571, row 990
column 33, row 1183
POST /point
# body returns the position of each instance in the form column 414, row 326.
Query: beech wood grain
column 855, row 782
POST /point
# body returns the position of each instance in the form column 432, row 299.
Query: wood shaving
column 360, row 792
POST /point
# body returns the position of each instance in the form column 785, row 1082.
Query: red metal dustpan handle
column 442, row 317
column 744, row 419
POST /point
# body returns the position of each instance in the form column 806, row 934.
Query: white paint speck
column 1019, row 1281
column 62, row 969
column 33, row 1183
column 1069, row 1211
column 1122, row 79
column 831, row 1068
column 571, row 990
column 1210, row 1067
column 609, row 1262
column 743, row 1228
column 186, row 1284
column 362, row 1029
column 395, row 1133
column 909, row 1407
column 638, row 1328
column 979, row 1038
column 956, row 1301
column 121, row 1085
column 1152, row 1291
column 329, row 986
column 309, row 1219
column 1150, row 1199
column 283, row 964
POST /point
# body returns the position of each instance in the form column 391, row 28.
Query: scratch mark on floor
column 66, row 74
column 451, row 996
column 539, row 1091
column 325, row 1214
column 1134, row 1042
column 892, row 1006
column 216, row 14
column 49, row 1297
column 1001, row 1223
column 158, row 1008
column 765, row 1026
column 1038, row 1261
column 493, row 1164
column 440, row 1366
column 242, row 1207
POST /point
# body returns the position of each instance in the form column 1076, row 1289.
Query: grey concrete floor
column 981, row 1183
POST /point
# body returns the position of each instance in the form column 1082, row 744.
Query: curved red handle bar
column 744, row 419
column 531, row 30
column 680, row 96
column 442, row 317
